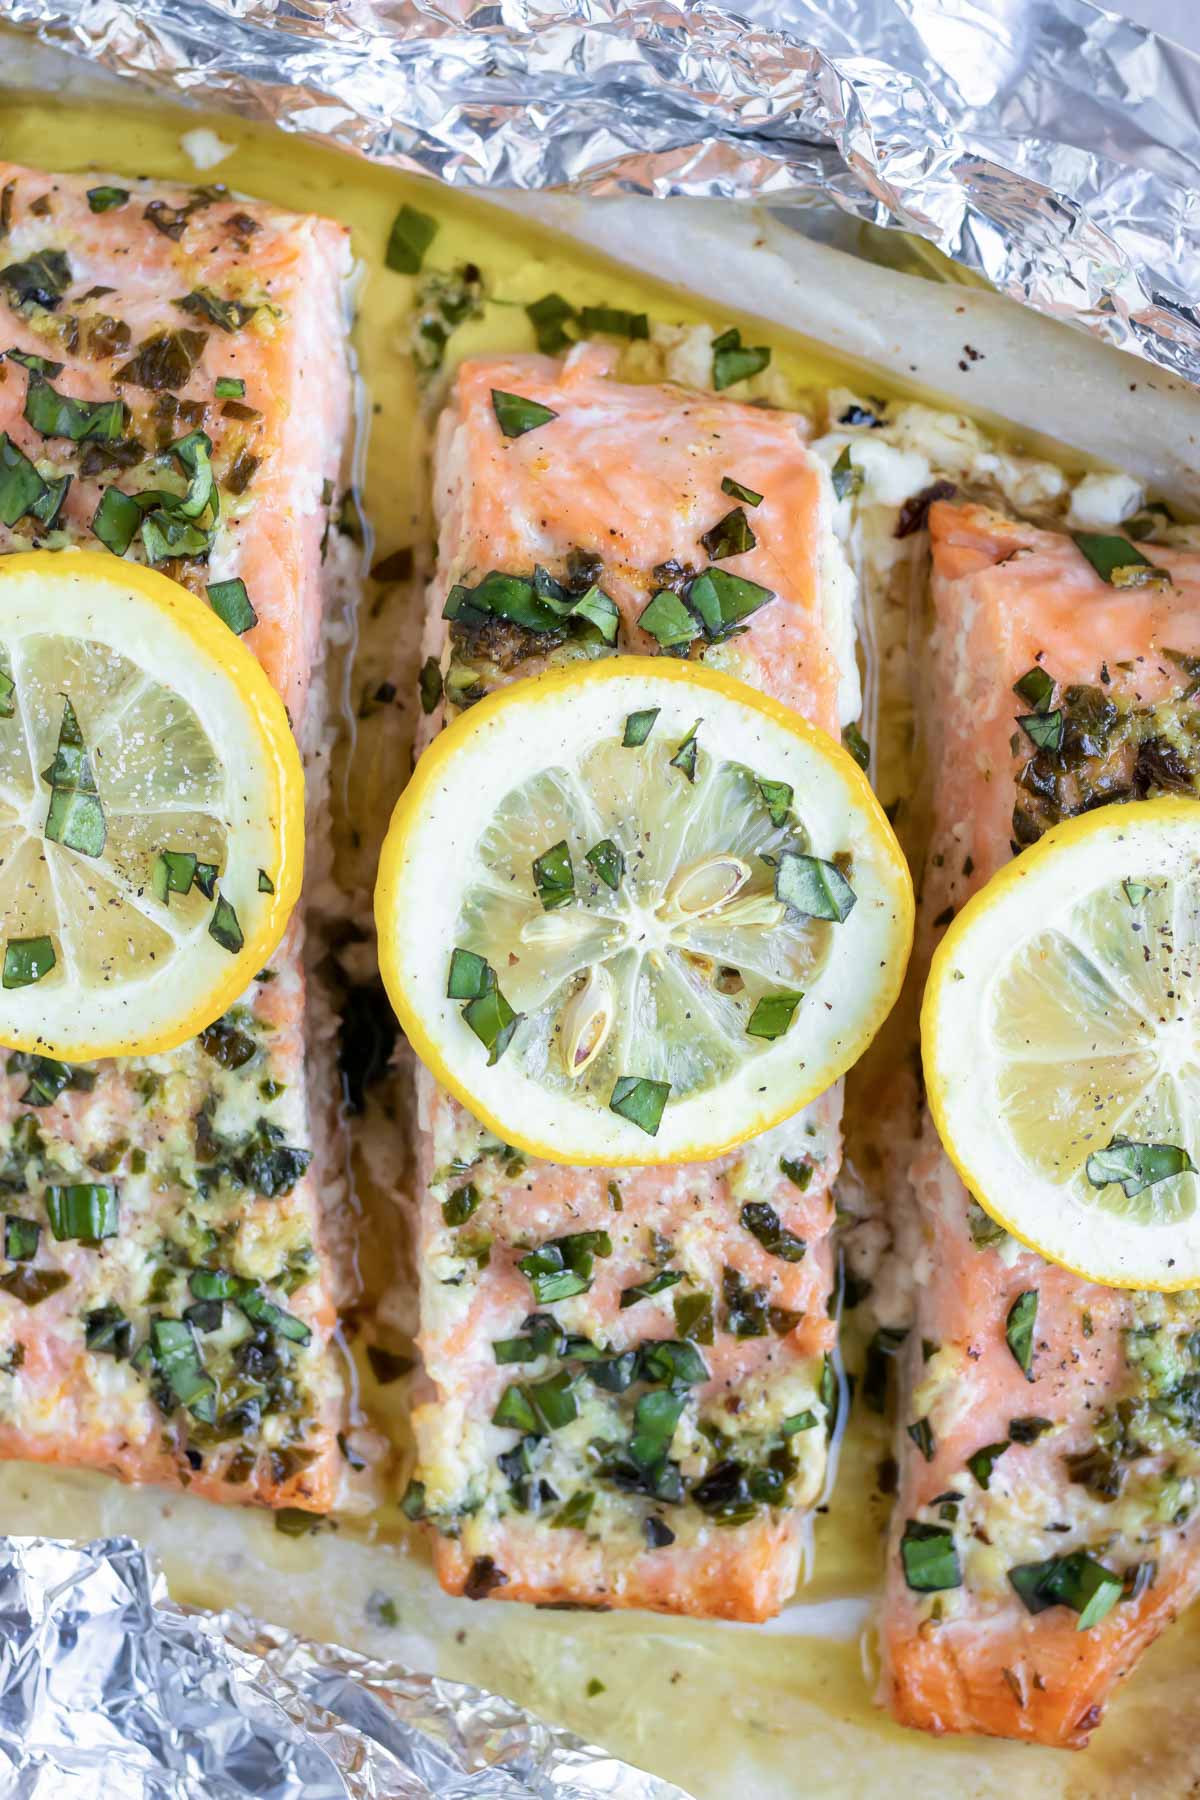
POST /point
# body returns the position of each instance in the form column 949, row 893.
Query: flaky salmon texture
column 201, row 313
column 1028, row 1464
column 627, row 1494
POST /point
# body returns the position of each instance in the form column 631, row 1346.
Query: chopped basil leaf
column 229, row 387
column 261, row 1311
column 1135, row 891
column 429, row 684
column 27, row 960
column 548, row 317
column 607, row 863
column 723, row 600
column 227, row 315
column 1117, row 561
column 773, row 1015
column 694, row 1317
column 638, row 727
column 799, row 1173
column 646, row 1290
column 106, row 199
column 21, row 487
column 410, row 237
column 8, row 689
column 509, row 597
column 461, row 1204
column 205, row 1315
column 1036, row 688
column 42, row 365
column 1046, row 730
column 540, row 1406
column 614, row 321
column 654, row 1420
column 265, row 884
column 177, row 1359
column 20, row 1238
column 41, row 280
column 82, row 1210
column 116, row 520
column 470, row 976
column 1076, row 1580
column 670, row 623
column 813, row 887
column 231, row 603
column 777, row 797
column 736, row 491
column 47, row 509
column 981, row 1462
column 206, row 878
column 173, row 873
column 921, row 1433
column 801, row 1421
column 684, row 758
column 75, row 817
column 575, row 1514
column 108, row 1332
column 563, row 1267
column 516, row 415
column 224, row 926
column 1137, row 1166
column 57, row 415
column 847, row 477
column 598, row 610
column 493, row 1021
column 1018, row 1330
column 733, row 361
column 929, row 1557
column 763, row 1223
column 664, row 1360
column 641, row 1101
column 858, row 747
column 554, row 876
column 730, row 536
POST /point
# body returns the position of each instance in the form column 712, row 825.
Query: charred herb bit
column 1116, row 560
column 1135, row 1167
column 736, row 491
column 32, row 1286
column 1076, row 1580
column 607, row 863
column 410, row 237
column 730, row 536
column 669, row 623
column 516, row 415
column 640, row 1100
column 981, row 1462
column 226, row 315
column 242, row 472
column 1036, row 688
column 1098, row 1469
column 225, row 927
column 862, row 415
column 231, row 603
column 723, row 601
column 75, row 816
column 47, row 1078
column 846, row 475
column 21, row 487
column 882, row 1351
column 483, row 1578
column 388, row 1365
column 228, row 1046
column 1159, row 765
column 164, row 362
column 734, row 361
column 763, row 1223
column 83, row 1211
column 6, row 207
column 554, row 877
column 921, row 1433
column 548, row 316
column 929, row 1558
column 914, row 514
column 1019, row 1328
column 746, row 1307
column 57, row 415
column 813, row 887
column 773, row 1015
column 1028, row 1428
column 41, row 280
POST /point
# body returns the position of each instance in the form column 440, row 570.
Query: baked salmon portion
column 182, row 344
column 652, row 1436
column 1045, row 1527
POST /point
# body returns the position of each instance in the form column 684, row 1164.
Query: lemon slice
column 637, row 912
column 1061, row 1041
column 151, row 810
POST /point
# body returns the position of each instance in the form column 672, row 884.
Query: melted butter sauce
column 723, row 1710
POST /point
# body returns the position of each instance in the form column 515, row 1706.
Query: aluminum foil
column 1049, row 146
column 108, row 1688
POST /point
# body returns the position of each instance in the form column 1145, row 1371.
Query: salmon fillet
column 202, row 314
column 619, row 489
column 1093, row 1453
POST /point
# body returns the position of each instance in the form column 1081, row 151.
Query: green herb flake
column 82, row 1210
column 723, row 601
column 646, row 1290
column 116, row 520
column 981, row 1462
column 1119, row 562
column 856, row 744
column 32, row 1286
column 1076, row 1580
column 773, row 1015
column 777, row 797
column 47, row 509
column 173, row 873
column 638, row 726
column 265, row 884
column 41, row 280
column 493, row 1021
column 813, row 887
column 470, row 976
column 597, row 611
column 671, row 625
column 412, row 1505
column 1135, row 891
column 799, row 1173
column 20, row 1238
column 575, row 1514
column 516, row 415
column 694, row 1317
column 801, row 1421
column 921, row 1433
column 229, row 387
column 429, row 684
column 1036, row 688
column 654, row 1421
column 733, row 361
column 736, row 491
column 21, row 487
column 106, row 199
column 730, row 536
column 27, row 960
column 1045, row 730
column 231, row 603
column 1018, row 1330
column 846, row 476
column 554, row 876
column 641, row 1101
column 1137, row 1166
column 75, row 816
column 763, row 1222
column 607, row 863
column 548, row 316
column 57, row 415
column 614, row 321
column 410, row 237
column 8, row 696
column 225, row 928
column 929, row 1558
column 460, row 1205
column 684, row 758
